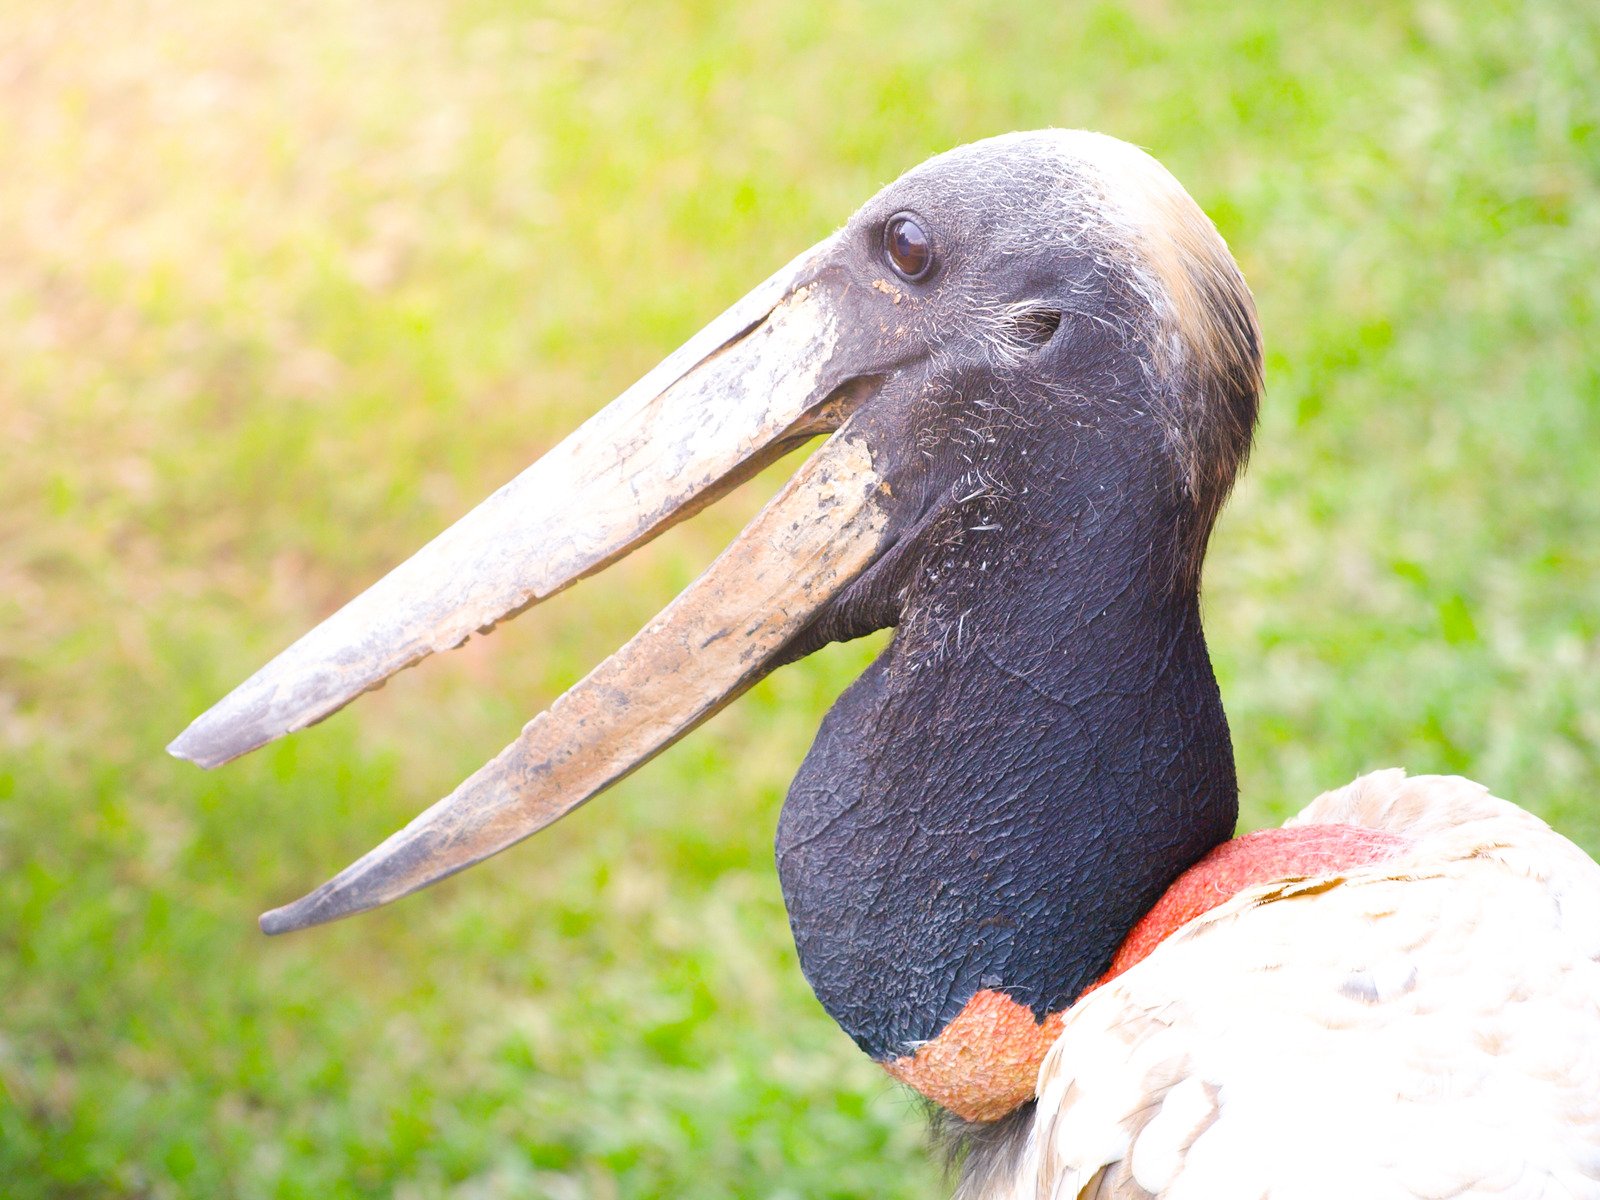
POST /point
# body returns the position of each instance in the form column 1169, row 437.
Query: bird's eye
column 908, row 247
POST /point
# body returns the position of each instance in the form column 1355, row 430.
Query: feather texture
column 1427, row 1027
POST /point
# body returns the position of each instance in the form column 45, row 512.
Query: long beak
column 756, row 381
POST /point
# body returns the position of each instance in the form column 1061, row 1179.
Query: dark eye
column 907, row 246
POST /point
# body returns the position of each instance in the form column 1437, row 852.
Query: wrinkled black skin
column 1042, row 748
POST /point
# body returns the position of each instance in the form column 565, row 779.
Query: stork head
column 1036, row 368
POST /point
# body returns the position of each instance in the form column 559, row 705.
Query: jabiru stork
column 1007, row 858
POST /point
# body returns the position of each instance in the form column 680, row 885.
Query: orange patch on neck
column 985, row 1062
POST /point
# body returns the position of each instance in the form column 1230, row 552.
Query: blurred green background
column 286, row 287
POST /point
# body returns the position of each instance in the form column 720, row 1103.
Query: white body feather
column 1427, row 1027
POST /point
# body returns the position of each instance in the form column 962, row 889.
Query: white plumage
column 1428, row 1027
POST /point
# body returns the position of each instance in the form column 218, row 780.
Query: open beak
column 761, row 378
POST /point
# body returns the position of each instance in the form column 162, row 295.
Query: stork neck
column 1040, row 752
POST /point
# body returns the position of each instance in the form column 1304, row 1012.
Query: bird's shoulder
column 1425, row 1026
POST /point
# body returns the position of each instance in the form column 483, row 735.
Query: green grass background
column 286, row 287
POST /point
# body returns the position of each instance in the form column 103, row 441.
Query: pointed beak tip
column 338, row 898
column 186, row 747
column 200, row 746
column 229, row 729
column 279, row 920
column 309, row 910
